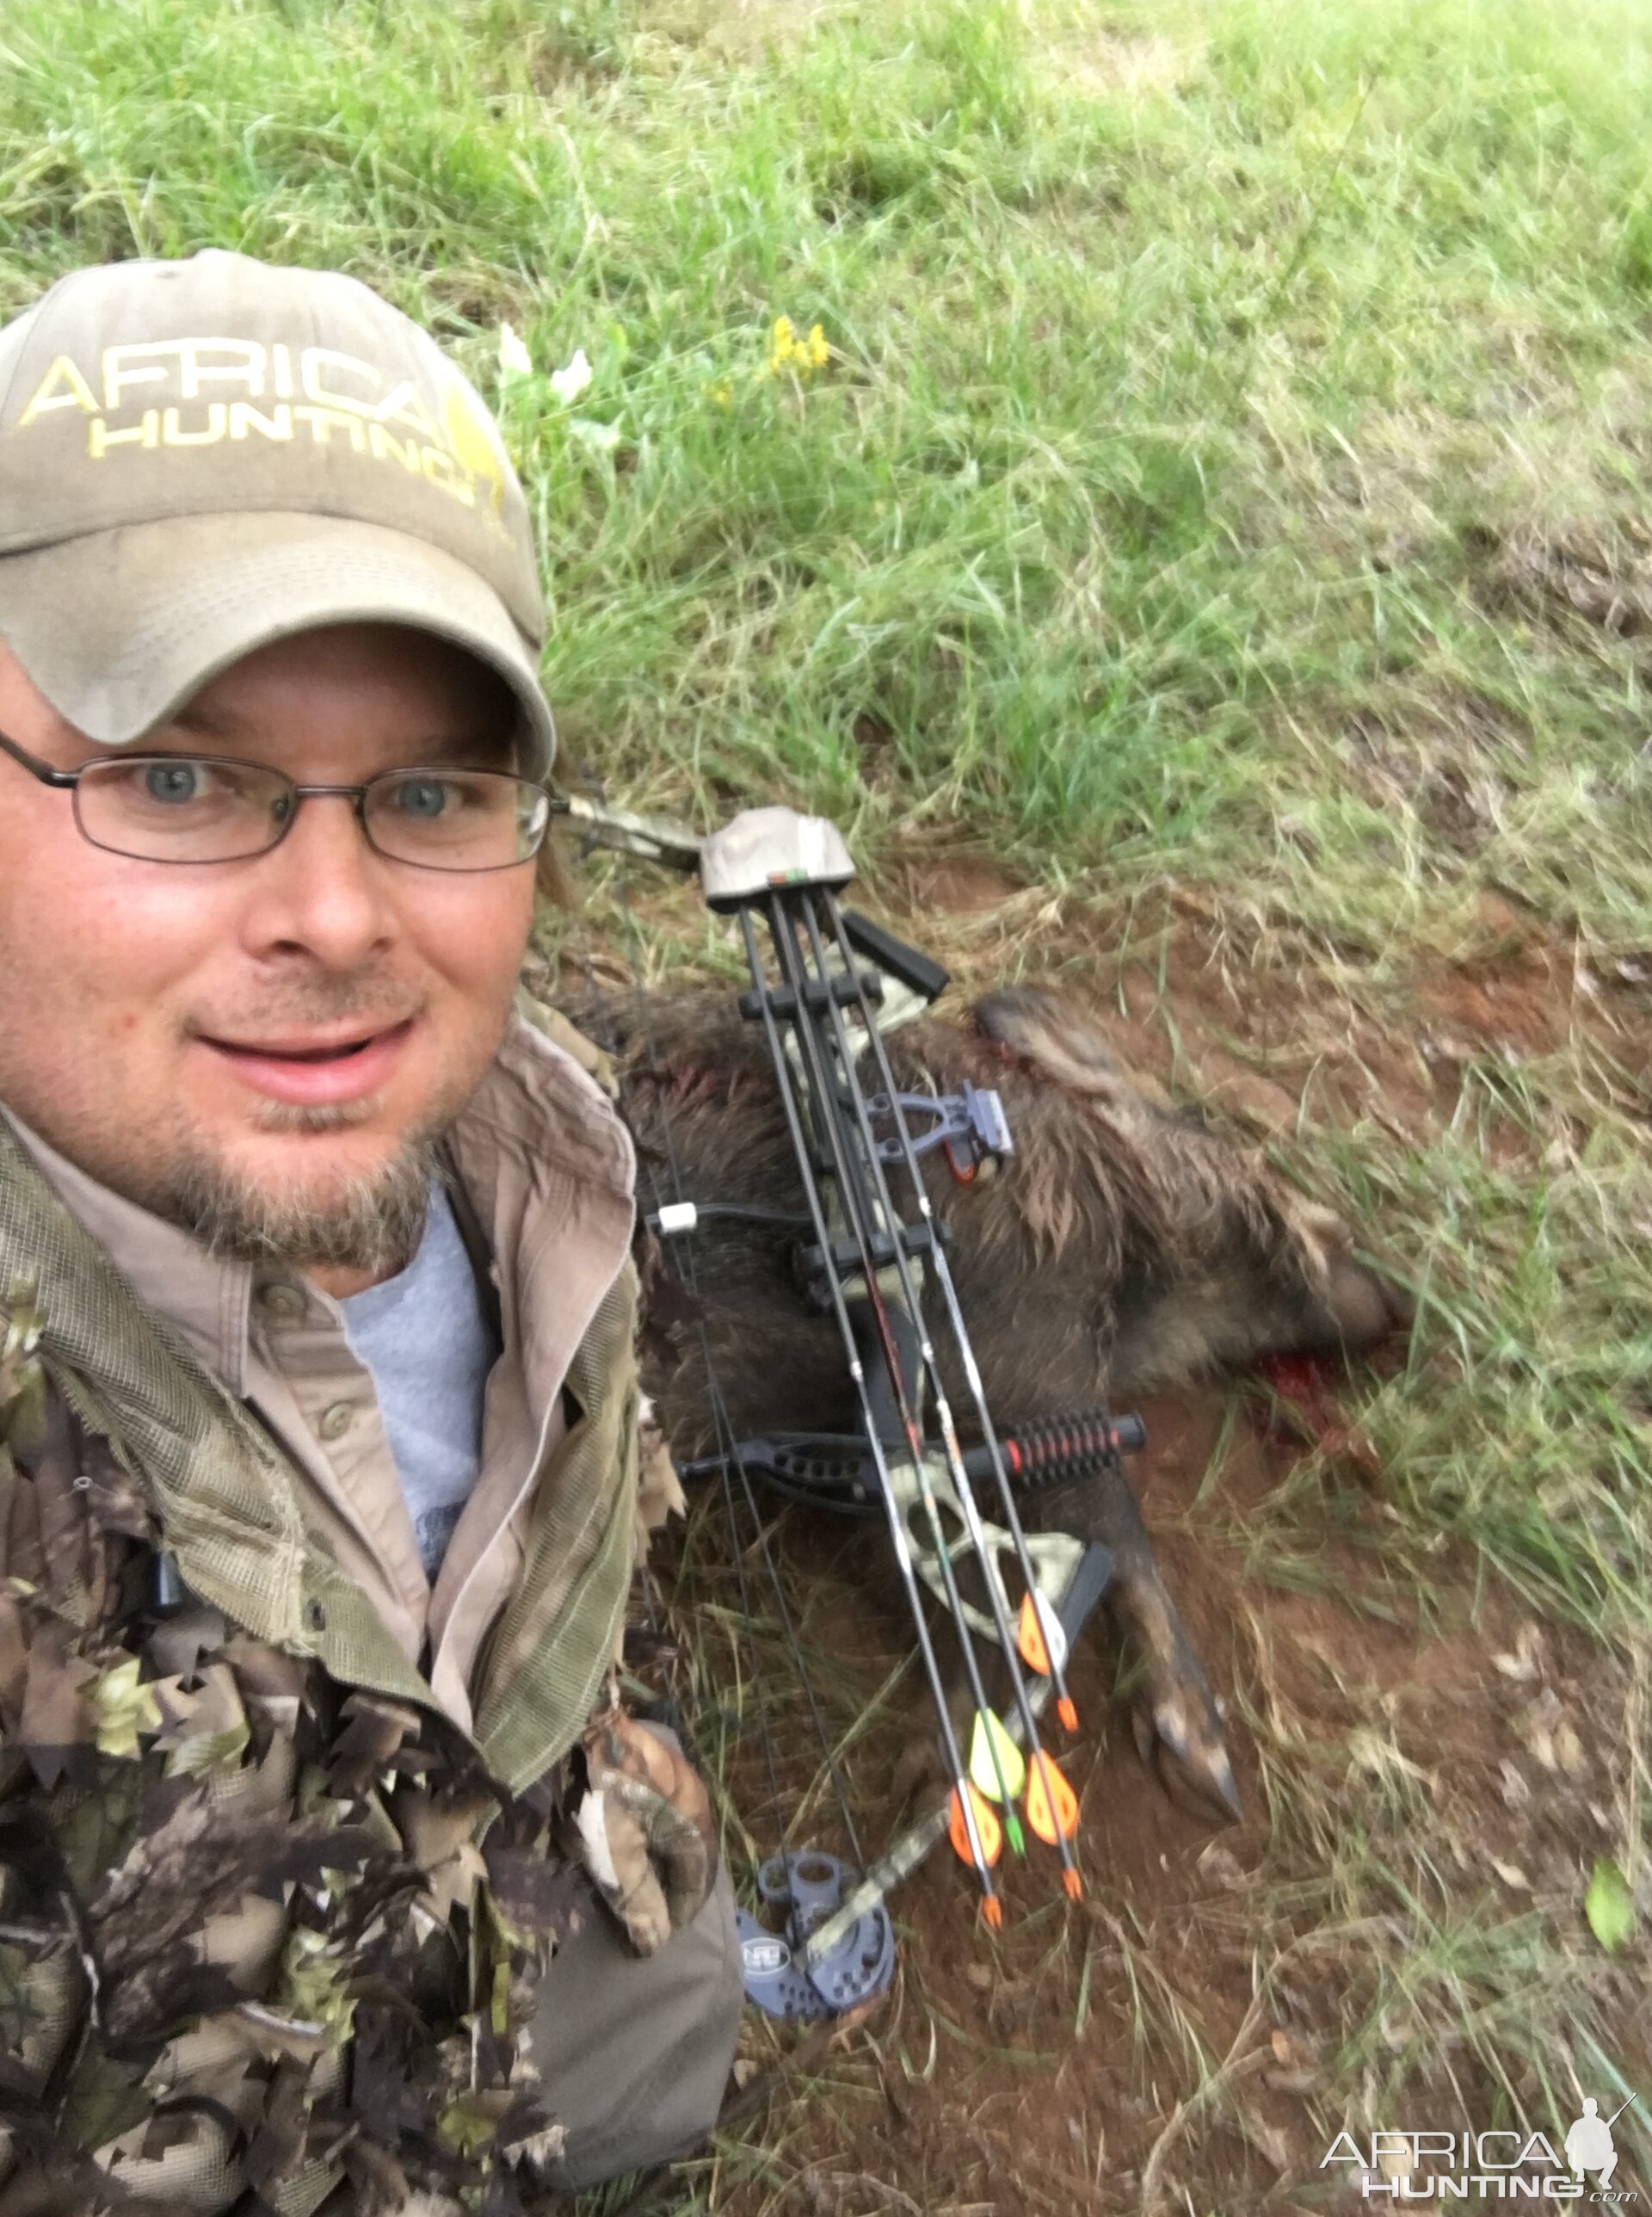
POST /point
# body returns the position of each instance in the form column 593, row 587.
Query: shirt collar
column 204, row 1298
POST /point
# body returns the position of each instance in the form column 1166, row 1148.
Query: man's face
column 256, row 1047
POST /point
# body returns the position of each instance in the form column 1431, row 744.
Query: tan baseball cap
column 199, row 457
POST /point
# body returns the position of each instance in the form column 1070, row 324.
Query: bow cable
column 867, row 1217
column 790, row 868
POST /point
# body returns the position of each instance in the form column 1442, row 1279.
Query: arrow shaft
column 908, row 1850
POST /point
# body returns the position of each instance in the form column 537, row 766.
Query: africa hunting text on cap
column 199, row 457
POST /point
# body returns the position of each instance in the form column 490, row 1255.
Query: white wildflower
column 514, row 359
column 568, row 384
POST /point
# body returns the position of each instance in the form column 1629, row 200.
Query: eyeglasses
column 200, row 808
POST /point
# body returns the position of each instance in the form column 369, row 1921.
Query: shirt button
column 337, row 1421
column 282, row 1301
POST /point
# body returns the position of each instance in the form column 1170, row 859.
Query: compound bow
column 880, row 1268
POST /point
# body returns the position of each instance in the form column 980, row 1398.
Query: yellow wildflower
column 780, row 353
column 788, row 351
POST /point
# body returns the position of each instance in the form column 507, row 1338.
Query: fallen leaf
column 1609, row 1905
column 1221, row 1866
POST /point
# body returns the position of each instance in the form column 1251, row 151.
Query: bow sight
column 823, row 984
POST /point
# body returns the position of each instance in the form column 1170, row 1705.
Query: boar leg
column 1178, row 1727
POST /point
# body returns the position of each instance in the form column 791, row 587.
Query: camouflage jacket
column 269, row 1919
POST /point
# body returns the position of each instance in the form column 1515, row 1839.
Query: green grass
column 1154, row 504
column 1232, row 467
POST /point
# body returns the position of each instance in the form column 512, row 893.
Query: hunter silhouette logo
column 1588, row 2144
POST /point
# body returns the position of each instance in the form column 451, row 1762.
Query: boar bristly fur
column 1128, row 1246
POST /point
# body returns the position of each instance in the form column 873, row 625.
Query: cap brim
column 120, row 628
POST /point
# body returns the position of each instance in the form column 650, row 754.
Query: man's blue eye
column 175, row 782
column 421, row 796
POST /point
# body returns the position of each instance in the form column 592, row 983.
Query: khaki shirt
column 545, row 1170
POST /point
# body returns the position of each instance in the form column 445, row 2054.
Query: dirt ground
column 1127, row 2052
column 1046, row 2070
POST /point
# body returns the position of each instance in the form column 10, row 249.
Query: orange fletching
column 1030, row 1639
column 1051, row 1804
column 993, row 1910
column 988, row 1830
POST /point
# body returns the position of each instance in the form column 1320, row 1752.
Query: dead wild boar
column 1127, row 1246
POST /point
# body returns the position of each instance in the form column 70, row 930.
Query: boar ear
column 1366, row 1304
column 1042, row 1028
column 1362, row 1303
column 1065, row 1042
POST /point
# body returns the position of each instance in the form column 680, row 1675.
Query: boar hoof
column 1178, row 1737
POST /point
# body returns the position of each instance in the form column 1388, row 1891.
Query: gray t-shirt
column 427, row 1338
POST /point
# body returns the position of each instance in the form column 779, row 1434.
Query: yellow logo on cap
column 474, row 440
column 163, row 395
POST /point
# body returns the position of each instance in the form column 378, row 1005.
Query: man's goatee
column 373, row 1223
